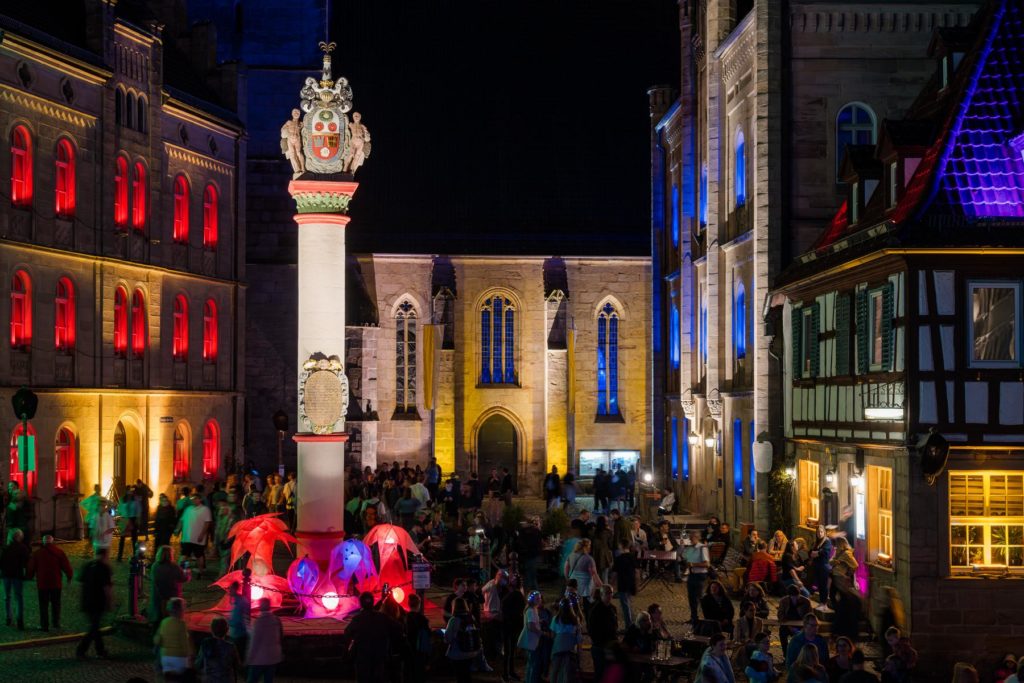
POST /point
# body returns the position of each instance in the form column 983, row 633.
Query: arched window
column 210, row 331
column 129, row 110
column 739, row 322
column 139, row 196
column 405, row 358
column 210, row 217
column 120, row 322
column 740, row 170
column 64, row 187
column 21, row 167
column 21, row 310
column 675, row 215
column 140, row 119
column 140, row 336
column 64, row 316
column 608, row 361
column 121, row 192
column 855, row 125
column 26, row 480
column 64, row 461
column 181, row 192
column 119, row 106
column 180, row 341
column 211, row 449
column 737, row 457
column 704, row 194
column 497, row 341
column 704, row 329
column 182, row 450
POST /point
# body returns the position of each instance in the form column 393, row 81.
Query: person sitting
column 663, row 541
column 777, row 545
column 753, row 595
column 711, row 530
column 793, row 569
column 747, row 626
column 857, row 672
column 714, row 664
column 1007, row 668
column 749, row 545
column 808, row 636
column 658, row 622
column 761, row 668
column 667, row 505
column 807, row 666
column 723, row 535
column 761, row 567
column 717, row 607
column 900, row 664
column 793, row 606
column 640, row 637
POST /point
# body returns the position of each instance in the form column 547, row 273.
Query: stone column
column 321, row 220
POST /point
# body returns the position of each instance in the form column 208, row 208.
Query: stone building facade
column 121, row 245
column 553, row 312
column 744, row 165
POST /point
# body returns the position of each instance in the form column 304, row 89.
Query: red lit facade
column 64, row 187
column 21, row 167
column 181, row 202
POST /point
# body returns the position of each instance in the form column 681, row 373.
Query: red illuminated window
column 121, row 193
column 210, row 217
column 21, row 167
column 181, row 448
column 139, row 327
column 26, row 480
column 180, row 341
column 139, row 196
column 64, row 461
column 210, row 332
column 21, row 311
column 65, row 186
column 180, row 233
column 211, row 449
column 120, row 322
column 64, row 316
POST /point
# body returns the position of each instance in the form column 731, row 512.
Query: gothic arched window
column 608, row 361
column 497, row 341
column 405, row 358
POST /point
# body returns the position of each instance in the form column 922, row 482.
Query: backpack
column 468, row 637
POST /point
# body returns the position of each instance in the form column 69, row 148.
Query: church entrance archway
column 127, row 456
column 498, row 447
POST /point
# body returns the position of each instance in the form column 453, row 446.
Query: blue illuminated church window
column 675, row 447
column 674, row 335
column 737, row 456
column 497, row 341
column 739, row 322
column 686, row 448
column 740, row 177
column 675, row 215
column 753, row 470
column 608, row 361
column 704, row 195
column 704, row 330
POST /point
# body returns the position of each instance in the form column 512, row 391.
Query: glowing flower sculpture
column 257, row 536
column 334, row 593
column 394, row 550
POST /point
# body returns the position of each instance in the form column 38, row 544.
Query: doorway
column 498, row 447
column 127, row 458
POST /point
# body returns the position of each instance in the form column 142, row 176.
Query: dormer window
column 855, row 202
column 949, row 64
column 894, row 182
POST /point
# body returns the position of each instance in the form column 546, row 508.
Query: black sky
column 505, row 127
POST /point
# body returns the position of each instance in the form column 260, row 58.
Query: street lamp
column 281, row 425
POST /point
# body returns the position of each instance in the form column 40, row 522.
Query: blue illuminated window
column 855, row 125
column 704, row 331
column 737, row 456
column 704, row 195
column 674, row 336
column 740, row 176
column 686, row 449
column 497, row 341
column 675, row 215
column 608, row 361
column 753, row 470
column 675, row 447
column 739, row 322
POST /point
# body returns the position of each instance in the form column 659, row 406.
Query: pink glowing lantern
column 351, row 568
column 255, row 592
column 398, row 593
column 395, row 550
column 330, row 601
column 270, row 586
column 258, row 537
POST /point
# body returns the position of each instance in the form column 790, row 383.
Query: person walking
column 603, row 627
column 513, row 608
column 14, row 561
column 565, row 650
column 90, row 508
column 531, row 637
column 433, row 479
column 47, row 564
column 374, row 639
column 97, row 593
column 168, row 579
column 420, row 647
column 172, row 641
column 164, row 521
column 127, row 515
column 195, row 527
column 217, row 660
column 552, row 488
column 239, row 620
column 225, row 521
column 463, row 640
column 624, row 567
column 264, row 652
column 143, row 494
column 102, row 527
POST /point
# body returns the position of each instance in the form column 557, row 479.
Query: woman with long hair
column 842, row 661
column 777, row 545
column 821, row 560
column 807, row 667
column 717, row 607
column 531, row 637
column 567, row 639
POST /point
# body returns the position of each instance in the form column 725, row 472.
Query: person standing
column 90, row 508
column 172, row 641
column 420, row 646
column 565, row 650
column 143, row 494
column 47, row 564
column 433, row 478
column 580, row 566
column 168, row 579
column 624, row 567
column 217, row 660
column 264, row 645
column 375, row 638
column 289, row 494
column 603, row 627
column 128, row 513
column 631, row 488
column 13, row 564
column 698, row 560
column 552, row 487
column 508, row 488
column 531, row 637
column 821, row 559
column 494, row 592
column 97, row 586
column 222, row 536
column 195, row 527
column 463, row 641
column 164, row 522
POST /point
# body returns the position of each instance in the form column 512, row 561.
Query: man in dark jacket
column 13, row 564
column 624, row 567
column 375, row 638
column 603, row 627
column 552, row 485
column 47, row 564
column 97, row 582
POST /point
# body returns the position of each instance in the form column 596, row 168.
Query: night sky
column 505, row 127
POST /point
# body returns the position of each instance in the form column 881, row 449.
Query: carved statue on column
column 291, row 143
column 358, row 148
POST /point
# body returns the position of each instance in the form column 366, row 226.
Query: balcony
column 64, row 369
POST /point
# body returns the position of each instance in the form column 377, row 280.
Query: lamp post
column 281, row 425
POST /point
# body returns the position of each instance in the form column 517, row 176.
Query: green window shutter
column 887, row 331
column 815, row 349
column 798, row 336
column 863, row 333
column 842, row 334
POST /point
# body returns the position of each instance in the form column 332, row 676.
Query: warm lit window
column 180, row 465
column 139, row 196
column 21, row 311
column 809, row 477
column 995, row 331
column 986, row 520
column 64, row 316
column 64, row 186
column 179, row 347
column 120, row 321
column 210, row 331
column 405, row 358
column 64, row 461
column 497, row 341
column 21, row 167
column 739, row 322
column 121, row 192
column 211, row 449
column 139, row 326
column 608, row 361
column 740, row 170
column 23, row 459
column 879, row 513
column 210, row 217
column 181, row 193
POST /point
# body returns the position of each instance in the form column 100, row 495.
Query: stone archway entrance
column 497, row 447
column 127, row 456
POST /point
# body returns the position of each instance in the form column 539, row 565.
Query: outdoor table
column 662, row 666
